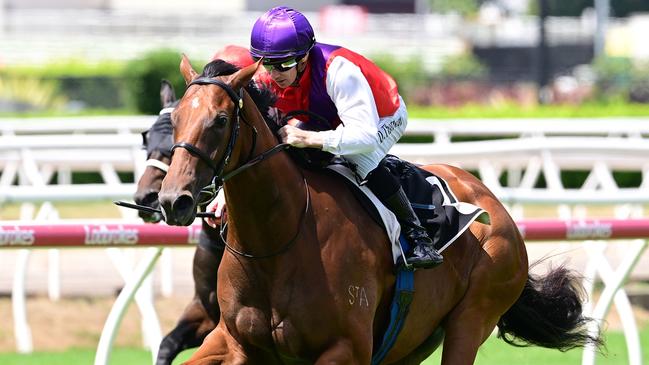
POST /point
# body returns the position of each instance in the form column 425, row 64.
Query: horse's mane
column 263, row 96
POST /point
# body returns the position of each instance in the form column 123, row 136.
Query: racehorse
column 307, row 277
column 157, row 142
column 202, row 313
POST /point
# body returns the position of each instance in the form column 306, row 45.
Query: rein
column 285, row 247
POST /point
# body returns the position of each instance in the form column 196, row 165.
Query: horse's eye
column 221, row 120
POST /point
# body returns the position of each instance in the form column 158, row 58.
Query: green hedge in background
column 70, row 85
column 621, row 79
column 133, row 85
column 143, row 77
column 76, row 86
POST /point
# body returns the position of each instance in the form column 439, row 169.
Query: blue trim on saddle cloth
column 404, row 290
column 423, row 206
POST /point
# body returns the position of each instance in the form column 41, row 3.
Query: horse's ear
column 167, row 94
column 187, row 70
column 242, row 77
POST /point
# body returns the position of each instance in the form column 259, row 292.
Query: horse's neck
column 269, row 197
column 274, row 180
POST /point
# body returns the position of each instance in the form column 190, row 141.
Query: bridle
column 162, row 130
column 238, row 105
column 218, row 178
column 157, row 164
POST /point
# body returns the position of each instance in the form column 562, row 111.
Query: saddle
column 440, row 212
column 438, row 209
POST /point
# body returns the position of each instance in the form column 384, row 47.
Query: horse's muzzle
column 178, row 209
column 149, row 199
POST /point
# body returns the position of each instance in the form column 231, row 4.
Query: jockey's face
column 288, row 77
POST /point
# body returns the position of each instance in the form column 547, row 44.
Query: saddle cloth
column 444, row 217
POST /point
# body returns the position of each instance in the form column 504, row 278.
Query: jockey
column 366, row 115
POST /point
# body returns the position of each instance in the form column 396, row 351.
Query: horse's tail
column 549, row 314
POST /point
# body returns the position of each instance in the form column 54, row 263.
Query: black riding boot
column 423, row 255
column 388, row 189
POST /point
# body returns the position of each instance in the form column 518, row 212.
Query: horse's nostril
column 183, row 207
column 149, row 199
column 177, row 209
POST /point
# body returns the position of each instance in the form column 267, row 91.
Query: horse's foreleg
column 189, row 332
column 205, row 272
column 218, row 348
column 201, row 315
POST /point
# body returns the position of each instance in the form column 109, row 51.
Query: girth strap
column 403, row 292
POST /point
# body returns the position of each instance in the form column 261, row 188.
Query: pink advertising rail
column 96, row 235
column 142, row 235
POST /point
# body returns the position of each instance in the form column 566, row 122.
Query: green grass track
column 493, row 352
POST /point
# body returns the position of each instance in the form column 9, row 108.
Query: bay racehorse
column 300, row 249
column 201, row 315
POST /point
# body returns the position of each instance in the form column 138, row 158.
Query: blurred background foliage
column 463, row 7
column 619, row 8
column 75, row 86
column 463, row 67
column 20, row 93
column 618, row 79
column 460, row 87
column 144, row 75
column 469, row 81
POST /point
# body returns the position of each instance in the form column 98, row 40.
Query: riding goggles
column 281, row 66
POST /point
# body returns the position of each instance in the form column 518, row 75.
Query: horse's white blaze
column 195, row 103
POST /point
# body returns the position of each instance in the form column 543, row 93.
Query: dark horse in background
column 202, row 313
column 299, row 241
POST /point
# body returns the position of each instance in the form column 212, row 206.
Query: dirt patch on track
column 78, row 322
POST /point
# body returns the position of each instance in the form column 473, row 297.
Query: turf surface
column 493, row 352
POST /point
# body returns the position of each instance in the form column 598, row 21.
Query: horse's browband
column 237, row 99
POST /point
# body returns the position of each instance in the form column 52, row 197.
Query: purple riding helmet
column 281, row 33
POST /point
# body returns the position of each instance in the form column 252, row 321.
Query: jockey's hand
column 299, row 137
column 218, row 207
column 294, row 122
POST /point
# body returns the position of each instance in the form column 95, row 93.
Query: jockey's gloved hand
column 218, row 207
column 300, row 138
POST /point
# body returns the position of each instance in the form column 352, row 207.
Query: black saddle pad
column 433, row 201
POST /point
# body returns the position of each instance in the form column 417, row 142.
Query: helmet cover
column 281, row 32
